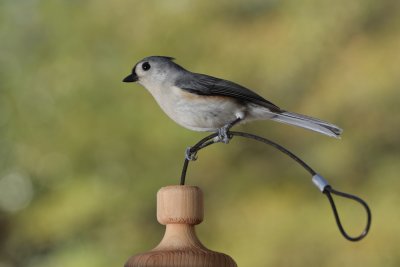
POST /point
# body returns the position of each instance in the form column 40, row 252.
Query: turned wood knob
column 180, row 205
column 180, row 208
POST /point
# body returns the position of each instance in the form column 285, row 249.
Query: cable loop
column 319, row 181
column 328, row 191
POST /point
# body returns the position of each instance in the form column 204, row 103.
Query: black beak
column 130, row 78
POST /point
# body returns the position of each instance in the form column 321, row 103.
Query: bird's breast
column 197, row 112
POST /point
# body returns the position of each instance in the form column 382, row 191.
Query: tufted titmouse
column 204, row 103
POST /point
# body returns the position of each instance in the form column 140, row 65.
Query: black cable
column 200, row 145
column 279, row 147
column 320, row 182
column 328, row 190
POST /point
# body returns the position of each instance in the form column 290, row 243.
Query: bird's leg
column 223, row 136
column 223, row 132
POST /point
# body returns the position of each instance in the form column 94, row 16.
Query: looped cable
column 328, row 191
column 317, row 179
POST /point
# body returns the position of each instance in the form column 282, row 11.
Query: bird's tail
column 308, row 123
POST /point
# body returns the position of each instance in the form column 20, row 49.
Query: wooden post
column 180, row 208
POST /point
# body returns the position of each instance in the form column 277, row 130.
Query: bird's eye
column 146, row 66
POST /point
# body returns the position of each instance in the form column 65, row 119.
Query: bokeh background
column 82, row 154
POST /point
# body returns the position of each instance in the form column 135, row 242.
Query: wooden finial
column 180, row 208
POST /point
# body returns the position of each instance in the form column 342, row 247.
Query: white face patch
column 140, row 72
column 151, row 75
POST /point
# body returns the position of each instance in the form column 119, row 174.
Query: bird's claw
column 189, row 155
column 223, row 135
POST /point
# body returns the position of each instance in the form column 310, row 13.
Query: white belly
column 196, row 112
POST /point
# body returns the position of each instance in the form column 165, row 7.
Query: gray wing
column 207, row 85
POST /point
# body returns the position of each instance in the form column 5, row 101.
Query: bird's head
column 152, row 71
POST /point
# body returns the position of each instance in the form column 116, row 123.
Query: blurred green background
column 82, row 154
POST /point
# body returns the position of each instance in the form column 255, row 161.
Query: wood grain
column 180, row 208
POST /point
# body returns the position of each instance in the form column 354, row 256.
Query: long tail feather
column 309, row 123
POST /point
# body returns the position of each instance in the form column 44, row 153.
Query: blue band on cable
column 320, row 182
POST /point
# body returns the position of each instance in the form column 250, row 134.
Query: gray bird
column 204, row 103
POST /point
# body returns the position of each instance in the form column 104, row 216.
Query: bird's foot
column 223, row 134
column 189, row 155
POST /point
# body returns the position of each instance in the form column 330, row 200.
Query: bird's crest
column 163, row 57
